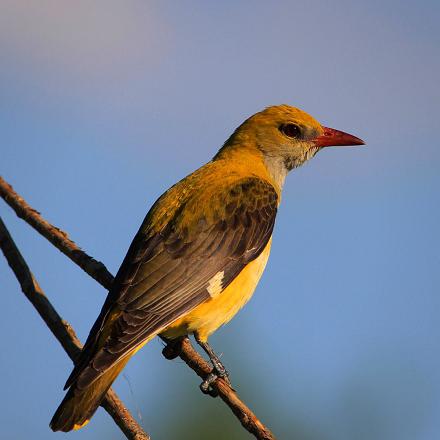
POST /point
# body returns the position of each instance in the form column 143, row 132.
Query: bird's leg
column 218, row 370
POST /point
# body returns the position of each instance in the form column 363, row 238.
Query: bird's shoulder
column 213, row 193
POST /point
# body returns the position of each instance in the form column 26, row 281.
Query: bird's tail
column 78, row 406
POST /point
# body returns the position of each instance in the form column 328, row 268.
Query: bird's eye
column 290, row 130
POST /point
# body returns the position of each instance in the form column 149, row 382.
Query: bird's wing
column 167, row 273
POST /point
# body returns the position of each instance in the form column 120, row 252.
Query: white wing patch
column 215, row 284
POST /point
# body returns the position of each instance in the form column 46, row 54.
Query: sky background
column 105, row 104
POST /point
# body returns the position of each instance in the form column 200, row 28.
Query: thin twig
column 99, row 272
column 62, row 330
column 57, row 237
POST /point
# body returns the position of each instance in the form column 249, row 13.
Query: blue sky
column 104, row 105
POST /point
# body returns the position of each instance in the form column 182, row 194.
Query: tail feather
column 79, row 405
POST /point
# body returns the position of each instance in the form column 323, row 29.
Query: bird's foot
column 173, row 348
column 218, row 370
column 205, row 386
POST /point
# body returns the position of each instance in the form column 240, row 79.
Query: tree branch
column 62, row 330
column 100, row 273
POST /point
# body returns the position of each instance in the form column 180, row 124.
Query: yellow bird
column 198, row 255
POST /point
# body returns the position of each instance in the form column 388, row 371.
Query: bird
column 198, row 255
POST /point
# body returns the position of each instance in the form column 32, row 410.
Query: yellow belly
column 211, row 314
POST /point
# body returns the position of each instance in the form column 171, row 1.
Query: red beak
column 332, row 137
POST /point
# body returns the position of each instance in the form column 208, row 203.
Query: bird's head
column 287, row 137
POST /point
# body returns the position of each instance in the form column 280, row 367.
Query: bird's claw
column 219, row 371
column 206, row 387
column 173, row 348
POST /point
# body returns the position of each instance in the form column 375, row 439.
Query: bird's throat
column 277, row 168
column 279, row 165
